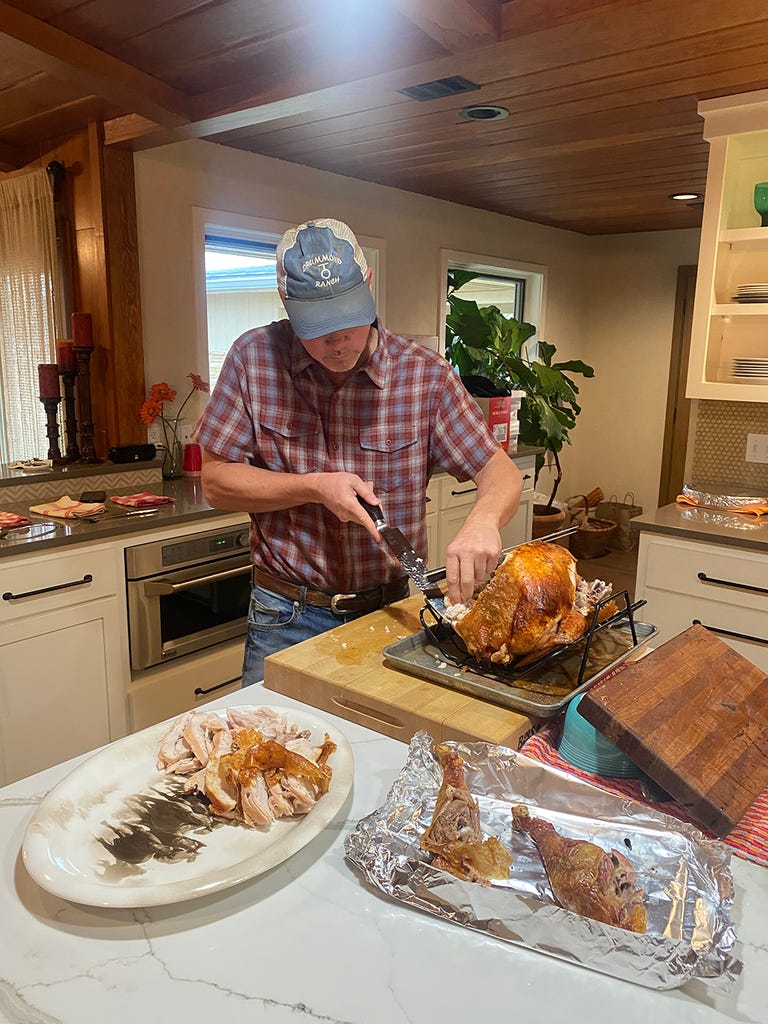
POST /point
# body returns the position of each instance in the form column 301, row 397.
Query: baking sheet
column 541, row 692
column 687, row 882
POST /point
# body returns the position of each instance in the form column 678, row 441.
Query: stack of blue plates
column 586, row 748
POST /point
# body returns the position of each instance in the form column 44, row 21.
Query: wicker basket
column 591, row 538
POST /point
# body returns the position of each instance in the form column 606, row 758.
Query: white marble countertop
column 309, row 941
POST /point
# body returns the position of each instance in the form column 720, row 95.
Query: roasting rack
column 453, row 650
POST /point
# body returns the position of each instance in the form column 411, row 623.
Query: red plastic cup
column 193, row 459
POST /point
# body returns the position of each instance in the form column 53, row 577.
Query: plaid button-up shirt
column 399, row 417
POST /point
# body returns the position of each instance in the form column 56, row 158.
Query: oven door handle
column 161, row 588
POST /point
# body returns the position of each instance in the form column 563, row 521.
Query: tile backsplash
column 720, row 444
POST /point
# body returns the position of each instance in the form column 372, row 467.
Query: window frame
column 235, row 225
column 534, row 275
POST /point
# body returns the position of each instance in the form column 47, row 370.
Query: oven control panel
column 201, row 549
column 144, row 560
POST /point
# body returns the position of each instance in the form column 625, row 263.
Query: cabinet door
column 433, row 541
column 54, row 690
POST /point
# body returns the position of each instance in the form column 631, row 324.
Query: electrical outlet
column 757, row 447
column 155, row 434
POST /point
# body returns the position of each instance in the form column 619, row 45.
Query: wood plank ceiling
column 601, row 94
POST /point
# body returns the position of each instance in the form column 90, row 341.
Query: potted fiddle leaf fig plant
column 482, row 341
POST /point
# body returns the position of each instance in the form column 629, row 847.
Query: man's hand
column 339, row 491
column 471, row 557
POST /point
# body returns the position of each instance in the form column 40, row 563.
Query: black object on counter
column 132, row 453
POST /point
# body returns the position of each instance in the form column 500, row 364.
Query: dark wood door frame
column 678, row 406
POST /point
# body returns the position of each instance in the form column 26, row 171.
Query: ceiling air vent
column 440, row 87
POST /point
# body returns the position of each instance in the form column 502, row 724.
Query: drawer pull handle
column 200, row 692
column 730, row 632
column 457, row 494
column 729, row 583
column 8, row 596
column 526, row 476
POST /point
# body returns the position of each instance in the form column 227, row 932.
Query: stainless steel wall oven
column 187, row 594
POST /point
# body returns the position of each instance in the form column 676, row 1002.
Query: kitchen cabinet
column 724, row 588
column 63, row 658
column 453, row 501
column 733, row 252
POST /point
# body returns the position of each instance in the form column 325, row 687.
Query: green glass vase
column 761, row 202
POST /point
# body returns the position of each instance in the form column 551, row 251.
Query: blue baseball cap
column 322, row 279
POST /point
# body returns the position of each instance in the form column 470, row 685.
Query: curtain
column 27, row 326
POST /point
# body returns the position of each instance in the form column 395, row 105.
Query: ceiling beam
column 63, row 57
column 457, row 25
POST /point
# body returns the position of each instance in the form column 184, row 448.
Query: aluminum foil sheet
column 711, row 517
column 722, row 501
column 686, row 877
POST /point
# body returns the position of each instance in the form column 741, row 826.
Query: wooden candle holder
column 87, row 451
column 52, row 430
column 70, row 416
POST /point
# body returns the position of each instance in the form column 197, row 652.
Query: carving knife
column 402, row 550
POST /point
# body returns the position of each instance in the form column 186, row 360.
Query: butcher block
column 343, row 672
column 693, row 714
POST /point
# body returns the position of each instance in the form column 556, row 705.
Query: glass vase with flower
column 154, row 409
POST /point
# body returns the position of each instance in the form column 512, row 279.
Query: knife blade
column 402, row 550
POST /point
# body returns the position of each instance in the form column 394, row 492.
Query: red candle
column 82, row 330
column 65, row 356
column 48, row 375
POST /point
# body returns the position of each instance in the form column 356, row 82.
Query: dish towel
column 66, row 508
column 142, row 500
column 756, row 509
column 30, row 464
column 9, row 520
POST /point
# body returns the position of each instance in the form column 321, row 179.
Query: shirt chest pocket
column 291, row 442
column 390, row 455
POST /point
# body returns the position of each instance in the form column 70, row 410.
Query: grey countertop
column 706, row 524
column 189, row 507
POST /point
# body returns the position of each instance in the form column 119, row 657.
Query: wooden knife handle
column 374, row 511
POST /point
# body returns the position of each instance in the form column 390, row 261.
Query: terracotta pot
column 547, row 520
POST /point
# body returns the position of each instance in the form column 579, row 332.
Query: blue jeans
column 276, row 622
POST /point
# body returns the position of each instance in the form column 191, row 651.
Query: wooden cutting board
column 343, row 672
column 693, row 714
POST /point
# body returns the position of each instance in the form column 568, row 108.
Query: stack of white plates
column 744, row 368
column 751, row 293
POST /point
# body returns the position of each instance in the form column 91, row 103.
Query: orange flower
column 198, row 383
column 149, row 411
column 162, row 393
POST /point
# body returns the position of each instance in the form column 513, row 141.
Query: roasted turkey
column 584, row 878
column 534, row 601
column 454, row 837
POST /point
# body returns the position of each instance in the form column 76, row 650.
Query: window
column 237, row 289
column 516, row 288
column 241, row 291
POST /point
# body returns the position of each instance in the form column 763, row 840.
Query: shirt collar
column 377, row 368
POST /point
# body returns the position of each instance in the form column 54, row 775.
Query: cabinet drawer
column 455, row 494
column 672, row 613
column 709, row 572
column 527, row 467
column 51, row 581
column 185, row 685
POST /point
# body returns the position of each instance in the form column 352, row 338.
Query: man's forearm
column 239, row 487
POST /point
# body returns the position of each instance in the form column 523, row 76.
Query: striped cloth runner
column 142, row 500
column 748, row 840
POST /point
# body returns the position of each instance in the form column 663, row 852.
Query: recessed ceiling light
column 687, row 196
column 483, row 112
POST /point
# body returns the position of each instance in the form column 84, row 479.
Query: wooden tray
column 693, row 714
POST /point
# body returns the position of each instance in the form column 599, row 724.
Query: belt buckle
column 340, row 597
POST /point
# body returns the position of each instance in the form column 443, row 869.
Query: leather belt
column 361, row 601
